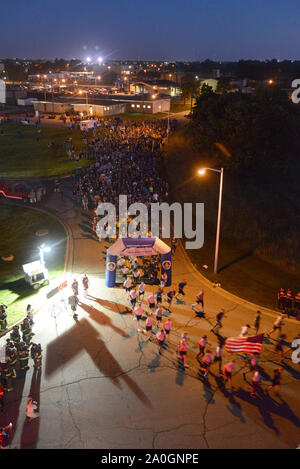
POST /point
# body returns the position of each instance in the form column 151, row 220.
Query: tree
column 189, row 86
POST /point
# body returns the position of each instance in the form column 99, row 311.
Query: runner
column 170, row 296
column 244, row 331
column 148, row 329
column 158, row 316
column 85, row 284
column 141, row 291
column 255, row 383
column 218, row 358
column 206, row 363
column 160, row 336
column 276, row 380
column 202, row 344
column 252, row 362
column 138, row 311
column 256, row 324
column 218, row 325
column 133, row 297
column 151, row 302
column 277, row 326
column 227, row 372
column 181, row 286
column 182, row 351
column 279, row 347
column 127, row 285
column 200, row 299
column 167, row 328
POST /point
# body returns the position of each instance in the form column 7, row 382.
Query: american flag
column 244, row 344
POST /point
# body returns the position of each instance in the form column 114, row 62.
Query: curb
column 226, row 294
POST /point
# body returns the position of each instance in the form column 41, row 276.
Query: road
column 103, row 386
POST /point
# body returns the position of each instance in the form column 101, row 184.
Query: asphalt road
column 103, row 386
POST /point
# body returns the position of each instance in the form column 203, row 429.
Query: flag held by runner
column 244, row 344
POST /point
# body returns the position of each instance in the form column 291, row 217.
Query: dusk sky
column 156, row 29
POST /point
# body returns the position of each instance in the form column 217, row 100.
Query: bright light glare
column 100, row 60
column 201, row 171
column 88, row 59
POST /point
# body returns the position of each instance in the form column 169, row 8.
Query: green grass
column 25, row 157
column 19, row 226
column 259, row 243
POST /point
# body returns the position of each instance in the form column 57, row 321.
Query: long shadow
column 154, row 363
column 101, row 318
column 208, row 391
column 30, row 431
column 289, row 369
column 112, row 306
column 238, row 259
column 12, row 404
column 84, row 337
column 268, row 406
column 180, row 376
column 87, row 230
column 234, row 407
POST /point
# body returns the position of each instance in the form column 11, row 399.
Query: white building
column 2, row 92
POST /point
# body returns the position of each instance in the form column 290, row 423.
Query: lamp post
column 201, row 172
column 43, row 248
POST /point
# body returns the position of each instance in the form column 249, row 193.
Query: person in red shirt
column 160, row 336
column 206, row 362
column 1, row 397
column 227, row 372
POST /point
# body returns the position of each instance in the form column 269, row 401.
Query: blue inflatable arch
column 137, row 247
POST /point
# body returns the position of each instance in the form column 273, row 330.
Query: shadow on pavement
column 30, row 431
column 84, row 337
column 101, row 318
column 112, row 306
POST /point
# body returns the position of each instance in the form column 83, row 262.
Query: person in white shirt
column 244, row 331
column 141, row 290
column 133, row 296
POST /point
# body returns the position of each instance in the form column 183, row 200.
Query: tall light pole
column 201, row 172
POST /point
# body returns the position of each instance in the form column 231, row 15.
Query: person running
column 200, row 299
column 218, row 324
column 256, row 324
column 85, row 284
column 158, row 296
column 74, row 287
column 127, row 284
column 163, row 280
column 202, row 344
column 170, row 295
column 218, row 357
column 133, row 298
column 255, row 383
column 73, row 302
column 138, row 311
column 181, row 286
column 244, row 331
column 277, row 326
column 206, row 363
column 227, row 372
column 141, row 291
column 167, row 328
column 151, row 302
column 276, row 380
column 158, row 315
column 148, row 330
column 160, row 336
column 253, row 363
column 182, row 351
column 279, row 346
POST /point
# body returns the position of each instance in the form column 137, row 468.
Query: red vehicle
column 14, row 191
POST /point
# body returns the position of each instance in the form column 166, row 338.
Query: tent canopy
column 139, row 247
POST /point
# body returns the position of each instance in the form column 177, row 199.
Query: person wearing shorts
column 133, row 296
column 138, row 315
column 85, row 284
column 127, row 285
column 218, row 358
column 148, row 329
column 158, row 316
column 160, row 339
column 200, row 299
column 276, row 380
column 167, row 328
column 218, row 324
column 151, row 302
column 206, row 363
column 255, row 383
column 158, row 295
column 202, row 344
column 227, row 372
column 170, row 296
column 182, row 352
column 277, row 326
column 253, row 362
column 141, row 290
column 181, row 286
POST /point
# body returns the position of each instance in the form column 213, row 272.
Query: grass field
column 18, row 237
column 259, row 243
column 22, row 156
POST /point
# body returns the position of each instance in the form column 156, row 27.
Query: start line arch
column 137, row 247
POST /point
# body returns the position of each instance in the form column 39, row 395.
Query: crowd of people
column 128, row 160
column 19, row 349
column 289, row 301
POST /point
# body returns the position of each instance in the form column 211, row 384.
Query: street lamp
column 201, row 172
column 43, row 248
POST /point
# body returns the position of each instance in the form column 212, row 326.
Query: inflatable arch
column 137, row 247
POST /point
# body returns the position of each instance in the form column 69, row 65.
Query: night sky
column 151, row 29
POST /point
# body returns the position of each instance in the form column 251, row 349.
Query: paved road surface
column 103, row 386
